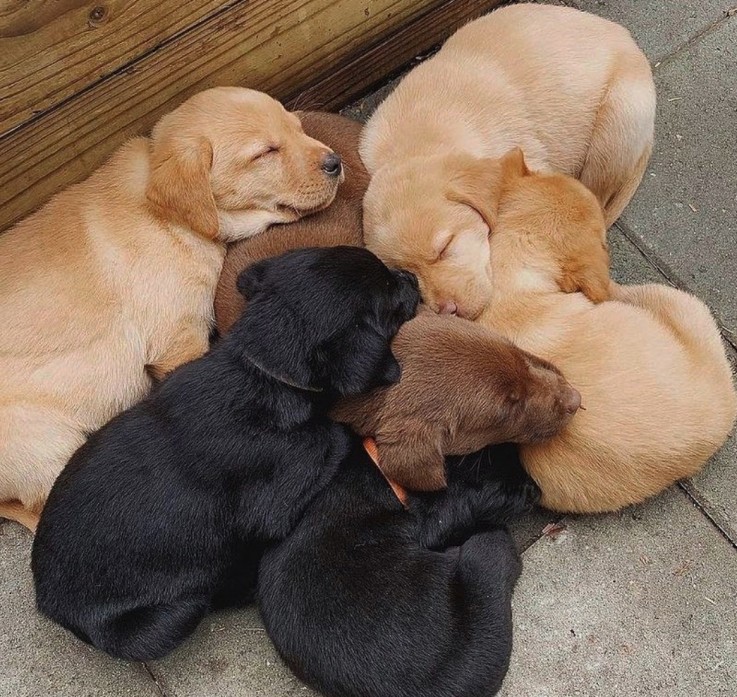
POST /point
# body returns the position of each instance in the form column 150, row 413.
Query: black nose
column 331, row 164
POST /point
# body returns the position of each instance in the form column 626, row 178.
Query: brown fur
column 571, row 89
column 113, row 280
column 339, row 223
column 462, row 386
column 648, row 360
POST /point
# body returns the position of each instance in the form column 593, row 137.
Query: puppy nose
column 447, row 307
column 331, row 164
column 572, row 401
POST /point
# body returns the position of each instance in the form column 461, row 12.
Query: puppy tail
column 148, row 633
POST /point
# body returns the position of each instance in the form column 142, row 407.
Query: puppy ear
column 479, row 182
column 250, row 280
column 513, row 164
column 588, row 273
column 361, row 363
column 179, row 184
column 411, row 454
column 270, row 336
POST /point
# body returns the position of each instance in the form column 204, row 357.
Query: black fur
column 163, row 514
column 365, row 599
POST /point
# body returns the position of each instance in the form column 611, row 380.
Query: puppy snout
column 332, row 164
column 447, row 307
column 572, row 400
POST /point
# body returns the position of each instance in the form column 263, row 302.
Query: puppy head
column 338, row 224
column 230, row 161
column 558, row 229
column 434, row 216
column 323, row 319
column 463, row 387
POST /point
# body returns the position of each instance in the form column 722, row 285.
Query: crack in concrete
column 159, row 687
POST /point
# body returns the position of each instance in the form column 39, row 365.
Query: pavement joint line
column 673, row 278
column 668, row 57
column 159, row 688
column 707, row 510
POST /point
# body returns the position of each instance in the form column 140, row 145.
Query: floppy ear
column 588, row 273
column 179, row 184
column 361, row 363
column 411, row 454
column 272, row 337
column 249, row 280
column 478, row 182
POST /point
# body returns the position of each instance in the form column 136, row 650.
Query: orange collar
column 369, row 445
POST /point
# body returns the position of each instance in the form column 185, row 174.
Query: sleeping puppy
column 367, row 598
column 655, row 382
column 111, row 284
column 463, row 387
column 162, row 514
column 571, row 89
column 339, row 223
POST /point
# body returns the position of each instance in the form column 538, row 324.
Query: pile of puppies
column 174, row 483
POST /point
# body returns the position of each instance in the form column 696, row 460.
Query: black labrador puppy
column 365, row 598
column 162, row 515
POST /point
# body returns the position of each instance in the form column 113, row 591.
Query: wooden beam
column 279, row 47
column 373, row 65
column 53, row 50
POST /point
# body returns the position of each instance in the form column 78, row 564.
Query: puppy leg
column 146, row 633
column 500, row 493
column 12, row 510
column 36, row 441
column 622, row 138
column 189, row 343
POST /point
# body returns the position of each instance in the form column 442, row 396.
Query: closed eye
column 445, row 249
column 268, row 150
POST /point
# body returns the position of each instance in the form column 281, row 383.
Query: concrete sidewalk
column 639, row 603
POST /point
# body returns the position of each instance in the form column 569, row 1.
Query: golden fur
column 649, row 363
column 339, row 223
column 571, row 89
column 112, row 281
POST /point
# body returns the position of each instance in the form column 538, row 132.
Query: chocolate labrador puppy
column 162, row 515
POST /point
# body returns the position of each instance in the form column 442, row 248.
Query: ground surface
column 639, row 603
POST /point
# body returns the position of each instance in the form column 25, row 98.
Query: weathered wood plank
column 52, row 49
column 273, row 46
column 375, row 64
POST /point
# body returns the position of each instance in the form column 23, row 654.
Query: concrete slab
column 37, row 658
column 639, row 603
column 229, row 656
column 659, row 28
column 685, row 214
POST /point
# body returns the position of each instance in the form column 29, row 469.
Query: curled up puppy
column 162, row 515
column 110, row 285
column 649, row 362
column 373, row 595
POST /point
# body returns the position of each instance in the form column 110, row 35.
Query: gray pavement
column 638, row 603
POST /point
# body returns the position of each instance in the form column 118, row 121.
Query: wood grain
column 272, row 46
column 52, row 49
column 375, row 64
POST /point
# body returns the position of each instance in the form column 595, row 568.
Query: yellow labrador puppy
column 572, row 90
column 111, row 283
column 657, row 391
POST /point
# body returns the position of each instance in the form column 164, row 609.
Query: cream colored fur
column 571, row 89
column 657, row 390
column 113, row 280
